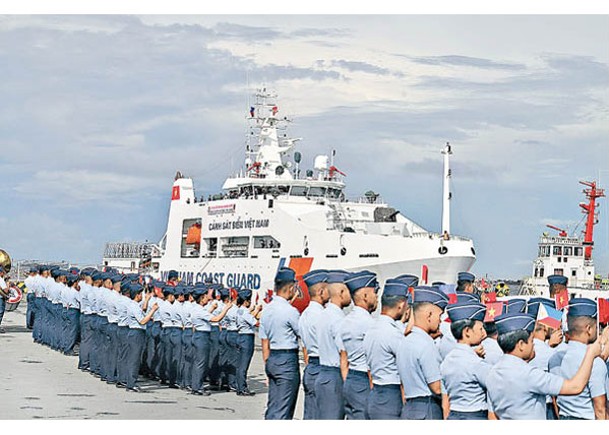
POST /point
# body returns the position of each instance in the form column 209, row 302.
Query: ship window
column 298, row 191
column 564, row 259
column 541, row 272
column 567, row 251
column 557, row 250
column 573, row 272
column 544, row 251
column 536, row 272
column 234, row 246
column 558, row 271
column 317, row 191
column 579, row 251
column 283, row 189
column 266, row 242
column 559, row 259
column 211, row 247
column 333, row 193
column 191, row 238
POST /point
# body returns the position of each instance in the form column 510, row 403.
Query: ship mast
column 592, row 218
column 447, row 151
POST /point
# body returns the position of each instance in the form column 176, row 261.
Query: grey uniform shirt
column 543, row 353
column 447, row 342
column 418, row 363
column 464, row 376
column 246, row 323
column 167, row 312
column 102, row 301
column 518, row 390
column 72, row 298
column 351, row 335
column 85, row 290
column 279, row 324
column 123, row 310
column 381, row 345
column 229, row 322
column 217, row 311
column 581, row 406
column 328, row 339
column 134, row 315
column 187, row 308
column 112, row 301
column 201, row 317
column 179, row 315
column 307, row 325
column 493, row 352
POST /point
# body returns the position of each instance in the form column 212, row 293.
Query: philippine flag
column 549, row 316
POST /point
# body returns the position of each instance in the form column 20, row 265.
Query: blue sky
column 99, row 111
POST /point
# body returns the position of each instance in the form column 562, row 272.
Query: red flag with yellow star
column 493, row 309
column 487, row 298
column 562, row 299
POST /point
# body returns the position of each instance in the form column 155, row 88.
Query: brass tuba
column 5, row 260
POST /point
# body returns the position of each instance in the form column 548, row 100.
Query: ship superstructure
column 272, row 213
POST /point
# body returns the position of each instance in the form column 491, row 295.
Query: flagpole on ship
column 447, row 151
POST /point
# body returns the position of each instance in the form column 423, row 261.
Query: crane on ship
column 561, row 232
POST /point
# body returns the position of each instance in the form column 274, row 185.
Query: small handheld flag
column 562, row 299
column 252, row 111
column 487, row 298
column 603, row 310
column 549, row 316
column 269, row 296
column 493, row 309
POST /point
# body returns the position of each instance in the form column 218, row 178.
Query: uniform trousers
column 71, row 329
column 232, row 359
column 329, row 391
column 136, row 338
column 30, row 312
column 166, row 353
column 123, row 349
column 214, row 355
column 200, row 362
column 470, row 415
column 385, row 402
column 86, row 341
column 309, row 377
column 102, row 346
column 422, row 408
column 111, row 356
column 550, row 414
column 36, row 332
column 153, row 347
column 356, row 390
column 245, row 346
column 284, row 380
column 46, row 322
column 187, row 357
column 94, row 355
column 172, row 349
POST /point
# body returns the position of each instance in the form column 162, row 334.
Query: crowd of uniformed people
column 191, row 337
column 423, row 355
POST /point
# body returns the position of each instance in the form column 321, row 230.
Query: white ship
column 274, row 214
column 569, row 255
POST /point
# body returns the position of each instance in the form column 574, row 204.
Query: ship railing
column 440, row 236
column 131, row 250
column 363, row 199
column 560, row 240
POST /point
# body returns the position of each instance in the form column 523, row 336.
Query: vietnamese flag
column 603, row 310
column 233, row 294
column 562, row 299
column 487, row 298
column 452, row 298
column 493, row 309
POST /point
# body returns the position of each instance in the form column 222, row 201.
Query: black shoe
column 110, row 382
column 174, row 386
column 246, row 393
column 69, row 353
column 134, row 389
column 121, row 385
column 203, row 392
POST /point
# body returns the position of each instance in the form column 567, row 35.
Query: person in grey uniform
column 448, row 342
column 418, row 358
column 85, row 317
column 590, row 404
column 356, row 389
column 381, row 344
column 229, row 353
column 219, row 292
column 43, row 271
column 518, row 390
column 307, row 325
column 178, row 347
column 201, row 317
column 329, row 383
column 136, row 336
column 153, row 330
column 187, row 347
column 30, row 313
column 122, row 343
column 557, row 283
column 71, row 330
column 247, row 320
column 544, row 350
column 279, row 338
column 464, row 373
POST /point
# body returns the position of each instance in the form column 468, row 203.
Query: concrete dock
column 39, row 383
